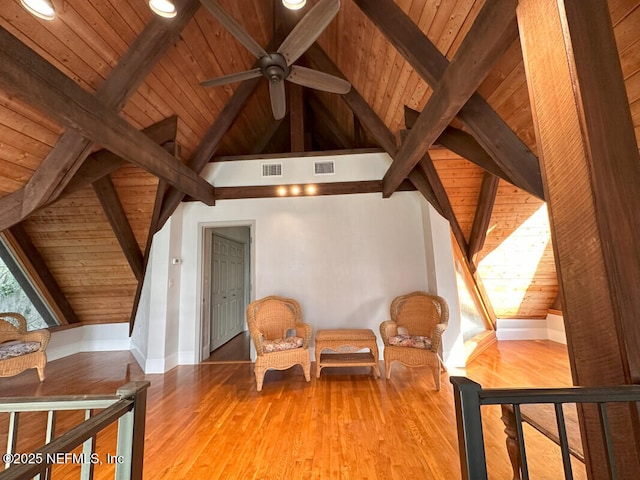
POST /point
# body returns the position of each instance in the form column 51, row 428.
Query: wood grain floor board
column 208, row 420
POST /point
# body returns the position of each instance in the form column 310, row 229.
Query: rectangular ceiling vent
column 272, row 169
column 324, row 168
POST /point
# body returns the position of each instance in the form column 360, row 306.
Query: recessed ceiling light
column 294, row 4
column 164, row 8
column 40, row 8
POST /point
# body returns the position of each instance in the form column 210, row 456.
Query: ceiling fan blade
column 234, row 28
column 232, row 77
column 308, row 29
column 278, row 99
column 318, row 80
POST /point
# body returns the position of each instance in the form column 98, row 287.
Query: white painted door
column 227, row 290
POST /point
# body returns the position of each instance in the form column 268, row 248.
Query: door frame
column 204, row 259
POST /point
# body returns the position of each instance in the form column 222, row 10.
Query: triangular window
column 17, row 293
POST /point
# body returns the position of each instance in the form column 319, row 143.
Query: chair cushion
column 414, row 341
column 280, row 344
column 15, row 349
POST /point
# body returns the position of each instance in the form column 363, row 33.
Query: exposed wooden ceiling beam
column 429, row 169
column 484, row 209
column 60, row 165
column 461, row 143
column 212, row 138
column 492, row 33
column 333, row 188
column 104, row 162
column 427, row 185
column 210, row 142
column 490, row 131
column 117, row 217
column 296, row 117
column 317, row 153
column 323, row 116
column 153, row 228
column 268, row 134
column 38, row 271
column 36, row 82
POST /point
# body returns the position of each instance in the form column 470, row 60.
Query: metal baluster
column 564, row 442
column 604, row 422
column 523, row 454
column 12, row 436
column 88, row 448
column 51, row 430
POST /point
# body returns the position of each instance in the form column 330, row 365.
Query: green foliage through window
column 14, row 299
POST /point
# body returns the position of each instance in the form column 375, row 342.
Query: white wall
column 344, row 258
column 442, row 281
column 549, row 328
column 88, row 338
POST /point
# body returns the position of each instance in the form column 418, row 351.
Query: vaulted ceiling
column 79, row 185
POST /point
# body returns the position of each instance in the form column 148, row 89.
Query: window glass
column 472, row 321
column 18, row 295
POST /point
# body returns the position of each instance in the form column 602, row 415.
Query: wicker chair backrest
column 12, row 325
column 419, row 312
column 274, row 316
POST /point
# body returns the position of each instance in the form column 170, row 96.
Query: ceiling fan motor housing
column 274, row 67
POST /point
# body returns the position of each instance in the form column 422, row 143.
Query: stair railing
column 470, row 397
column 127, row 407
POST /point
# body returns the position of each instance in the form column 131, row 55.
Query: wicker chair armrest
column 256, row 337
column 40, row 336
column 17, row 318
column 436, row 336
column 304, row 330
column 388, row 328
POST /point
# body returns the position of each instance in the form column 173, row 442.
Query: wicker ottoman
column 347, row 343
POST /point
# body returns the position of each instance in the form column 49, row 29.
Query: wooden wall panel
column 82, row 253
column 88, row 39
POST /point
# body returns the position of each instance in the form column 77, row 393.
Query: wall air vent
column 272, row 169
column 324, row 168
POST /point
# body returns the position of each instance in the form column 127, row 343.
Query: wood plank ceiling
column 91, row 232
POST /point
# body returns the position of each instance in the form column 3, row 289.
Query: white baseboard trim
column 549, row 328
column 521, row 329
column 89, row 338
column 138, row 355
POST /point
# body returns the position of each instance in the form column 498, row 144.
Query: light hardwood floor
column 208, row 421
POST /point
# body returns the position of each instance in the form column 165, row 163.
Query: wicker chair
column 23, row 349
column 413, row 336
column 272, row 322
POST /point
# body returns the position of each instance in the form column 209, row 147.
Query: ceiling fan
column 278, row 66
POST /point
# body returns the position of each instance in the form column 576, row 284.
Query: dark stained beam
column 591, row 166
column 492, row 33
column 37, row 270
column 72, row 148
column 489, row 130
column 357, row 131
column 317, row 153
column 322, row 115
column 484, row 209
column 461, row 143
column 355, row 102
column 210, row 142
column 334, row 188
column 212, row 138
column 104, row 162
column 36, row 82
column 429, row 169
column 153, row 228
column 117, row 217
column 271, row 130
column 296, row 117
column 383, row 135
